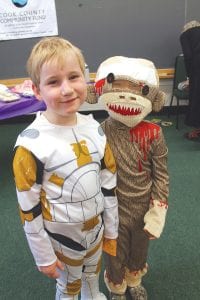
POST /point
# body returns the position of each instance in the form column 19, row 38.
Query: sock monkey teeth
column 123, row 110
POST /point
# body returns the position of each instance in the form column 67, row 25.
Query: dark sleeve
column 187, row 51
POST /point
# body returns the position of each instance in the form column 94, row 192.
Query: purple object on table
column 23, row 106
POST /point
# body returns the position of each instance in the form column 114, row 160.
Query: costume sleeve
column 108, row 179
column 187, row 51
column 154, row 219
column 28, row 172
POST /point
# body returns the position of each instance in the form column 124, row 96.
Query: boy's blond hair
column 51, row 49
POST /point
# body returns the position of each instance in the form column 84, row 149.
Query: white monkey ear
column 159, row 101
column 92, row 97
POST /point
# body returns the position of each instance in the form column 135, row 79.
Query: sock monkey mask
column 129, row 89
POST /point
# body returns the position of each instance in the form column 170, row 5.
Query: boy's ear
column 36, row 91
column 92, row 97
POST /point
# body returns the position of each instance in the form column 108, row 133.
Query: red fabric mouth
column 122, row 110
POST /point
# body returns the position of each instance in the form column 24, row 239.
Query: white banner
column 20, row 19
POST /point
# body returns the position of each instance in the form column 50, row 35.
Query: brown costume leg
column 132, row 247
column 137, row 266
column 138, row 249
column 115, row 267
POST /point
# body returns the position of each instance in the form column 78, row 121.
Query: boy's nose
column 66, row 88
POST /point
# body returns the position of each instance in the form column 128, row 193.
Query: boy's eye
column 74, row 76
column 52, row 82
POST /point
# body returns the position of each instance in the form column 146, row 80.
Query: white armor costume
column 57, row 171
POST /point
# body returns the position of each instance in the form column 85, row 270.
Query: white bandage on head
column 135, row 68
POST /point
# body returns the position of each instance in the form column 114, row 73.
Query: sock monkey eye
column 110, row 78
column 145, row 90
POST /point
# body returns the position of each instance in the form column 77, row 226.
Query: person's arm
column 28, row 172
column 155, row 217
column 110, row 214
column 187, row 51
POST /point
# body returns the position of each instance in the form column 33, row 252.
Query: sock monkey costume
column 129, row 89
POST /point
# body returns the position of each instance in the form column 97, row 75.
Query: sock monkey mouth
column 123, row 110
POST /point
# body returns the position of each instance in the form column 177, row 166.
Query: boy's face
column 63, row 89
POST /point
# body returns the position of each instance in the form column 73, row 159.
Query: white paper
column 20, row 19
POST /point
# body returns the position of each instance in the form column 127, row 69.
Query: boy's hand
column 51, row 271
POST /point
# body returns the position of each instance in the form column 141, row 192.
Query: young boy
column 61, row 162
column 129, row 89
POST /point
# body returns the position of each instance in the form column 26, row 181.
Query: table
column 23, row 106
